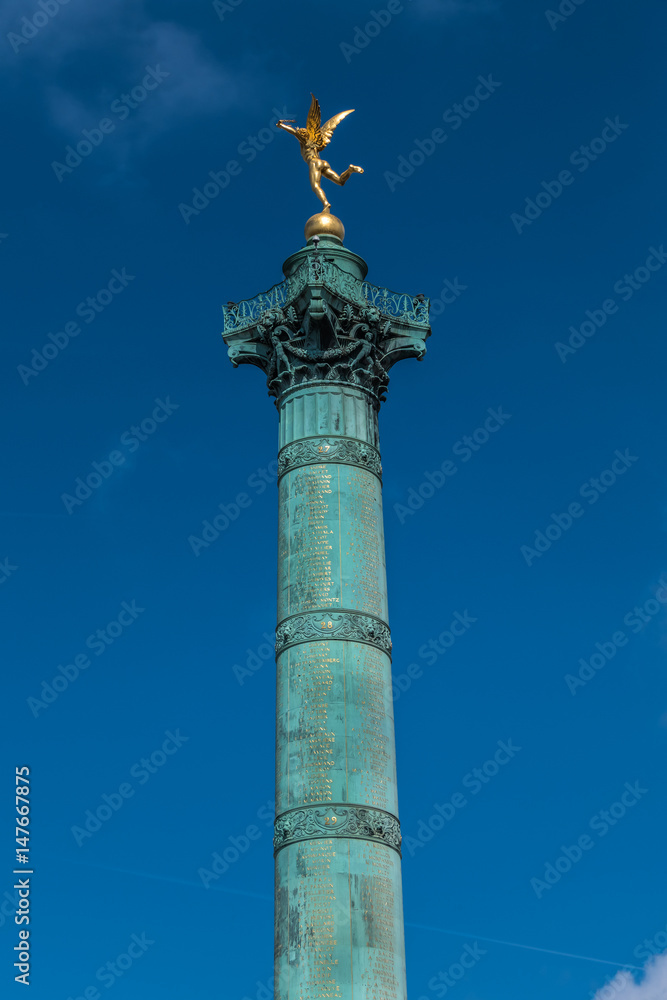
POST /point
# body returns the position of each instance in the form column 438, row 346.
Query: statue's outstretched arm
column 285, row 126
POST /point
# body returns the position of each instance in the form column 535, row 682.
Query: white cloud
column 653, row 985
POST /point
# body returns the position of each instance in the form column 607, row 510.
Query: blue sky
column 533, row 216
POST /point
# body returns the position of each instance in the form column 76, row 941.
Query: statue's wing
column 314, row 119
column 327, row 130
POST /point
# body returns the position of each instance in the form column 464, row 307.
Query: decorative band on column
column 316, row 450
column 337, row 625
column 337, row 820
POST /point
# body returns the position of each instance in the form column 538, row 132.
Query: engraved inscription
column 335, row 733
column 313, row 941
column 331, row 544
column 364, row 577
column 379, row 906
column 309, row 546
column 313, row 745
column 340, row 928
column 371, row 739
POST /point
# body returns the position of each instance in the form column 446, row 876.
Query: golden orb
column 324, row 224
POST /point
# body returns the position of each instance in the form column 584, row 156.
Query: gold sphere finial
column 324, row 224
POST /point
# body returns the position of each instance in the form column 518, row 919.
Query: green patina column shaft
column 326, row 339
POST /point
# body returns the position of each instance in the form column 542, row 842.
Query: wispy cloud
column 88, row 55
column 196, row 84
column 624, row 986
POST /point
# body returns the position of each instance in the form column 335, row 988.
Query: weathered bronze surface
column 326, row 339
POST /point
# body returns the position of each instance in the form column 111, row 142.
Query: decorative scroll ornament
column 341, row 625
column 337, row 821
column 341, row 450
column 324, row 324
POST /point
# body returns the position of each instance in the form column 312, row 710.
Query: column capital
column 326, row 323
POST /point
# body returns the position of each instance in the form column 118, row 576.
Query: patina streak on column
column 326, row 340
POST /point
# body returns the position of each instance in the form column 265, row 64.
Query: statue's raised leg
column 345, row 176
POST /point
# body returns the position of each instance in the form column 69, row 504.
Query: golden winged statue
column 313, row 138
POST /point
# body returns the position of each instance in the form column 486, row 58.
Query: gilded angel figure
column 313, row 138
